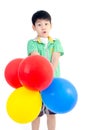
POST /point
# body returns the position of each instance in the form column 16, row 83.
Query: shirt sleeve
column 31, row 47
column 58, row 47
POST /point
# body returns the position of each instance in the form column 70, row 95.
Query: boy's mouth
column 44, row 32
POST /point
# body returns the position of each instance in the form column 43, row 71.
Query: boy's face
column 42, row 27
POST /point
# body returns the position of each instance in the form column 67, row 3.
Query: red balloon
column 35, row 72
column 11, row 73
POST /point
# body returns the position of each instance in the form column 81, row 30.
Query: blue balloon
column 60, row 97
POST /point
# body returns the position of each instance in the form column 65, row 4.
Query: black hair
column 41, row 14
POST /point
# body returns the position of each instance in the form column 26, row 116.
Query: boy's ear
column 33, row 27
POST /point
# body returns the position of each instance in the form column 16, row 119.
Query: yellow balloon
column 24, row 105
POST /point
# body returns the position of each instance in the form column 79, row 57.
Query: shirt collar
column 39, row 40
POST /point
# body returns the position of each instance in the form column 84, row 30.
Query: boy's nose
column 43, row 27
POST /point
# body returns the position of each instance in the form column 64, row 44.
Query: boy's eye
column 46, row 23
column 39, row 24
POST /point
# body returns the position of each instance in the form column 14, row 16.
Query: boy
column 50, row 48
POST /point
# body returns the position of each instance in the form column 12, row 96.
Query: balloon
column 35, row 72
column 61, row 96
column 23, row 105
column 11, row 73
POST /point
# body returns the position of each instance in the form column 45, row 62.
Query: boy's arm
column 55, row 59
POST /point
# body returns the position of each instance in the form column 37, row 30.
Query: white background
column 69, row 25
